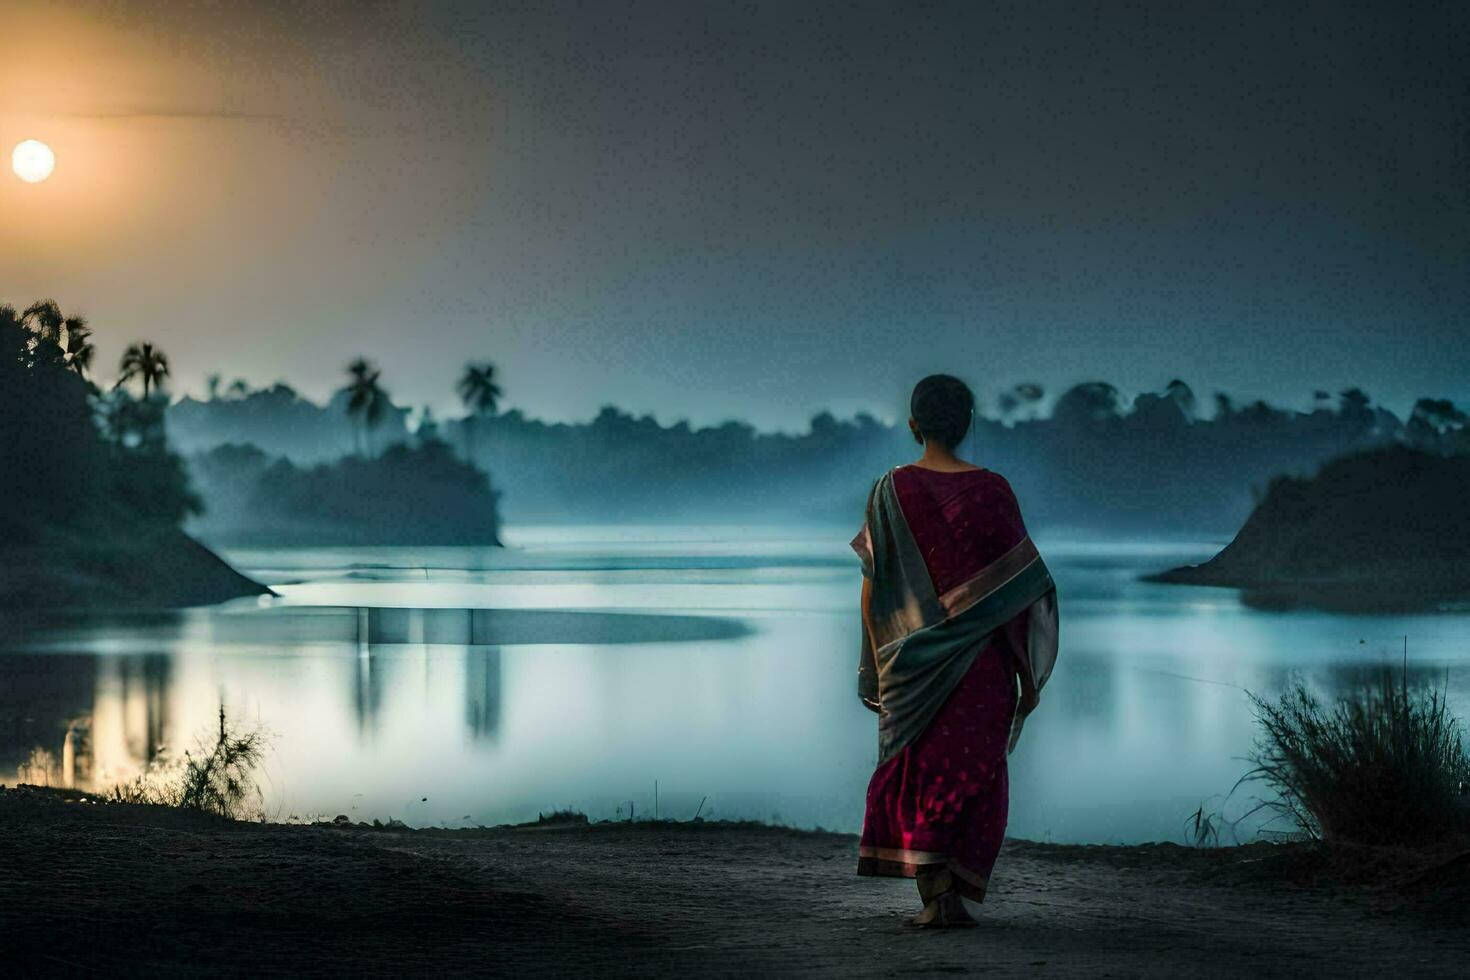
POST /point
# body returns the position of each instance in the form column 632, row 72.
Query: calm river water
column 581, row 666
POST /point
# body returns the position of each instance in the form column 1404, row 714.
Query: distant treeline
column 1095, row 462
column 420, row 494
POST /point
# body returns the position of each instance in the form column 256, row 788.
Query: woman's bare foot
column 946, row 911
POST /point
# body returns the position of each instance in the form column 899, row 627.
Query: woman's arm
column 1018, row 637
column 865, row 601
column 867, row 664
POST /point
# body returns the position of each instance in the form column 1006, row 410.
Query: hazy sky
column 755, row 209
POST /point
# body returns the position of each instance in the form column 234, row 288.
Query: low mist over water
column 462, row 686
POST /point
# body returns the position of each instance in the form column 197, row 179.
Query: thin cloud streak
column 222, row 114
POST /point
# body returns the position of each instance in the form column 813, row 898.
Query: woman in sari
column 959, row 636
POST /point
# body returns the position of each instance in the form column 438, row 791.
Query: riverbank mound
column 1381, row 530
column 155, row 890
column 143, row 566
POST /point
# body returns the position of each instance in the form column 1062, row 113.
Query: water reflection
column 42, row 700
column 77, row 720
column 143, row 690
column 83, row 713
column 482, row 692
column 367, row 689
column 720, row 678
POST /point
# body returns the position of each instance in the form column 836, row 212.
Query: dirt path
column 126, row 889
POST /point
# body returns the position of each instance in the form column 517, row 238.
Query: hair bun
column 942, row 407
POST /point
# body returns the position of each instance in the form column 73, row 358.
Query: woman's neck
column 937, row 457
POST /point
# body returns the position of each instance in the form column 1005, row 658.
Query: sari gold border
column 992, row 577
column 902, row 855
column 889, row 862
column 969, row 884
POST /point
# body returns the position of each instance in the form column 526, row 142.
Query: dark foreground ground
column 86, row 888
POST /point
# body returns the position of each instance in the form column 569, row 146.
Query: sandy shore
column 91, row 888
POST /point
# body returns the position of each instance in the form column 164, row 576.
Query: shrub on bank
column 218, row 778
column 1384, row 765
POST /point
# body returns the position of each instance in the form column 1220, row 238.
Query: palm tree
column 146, row 362
column 481, row 396
column 79, row 349
column 44, row 317
column 44, row 320
column 366, row 400
column 15, row 340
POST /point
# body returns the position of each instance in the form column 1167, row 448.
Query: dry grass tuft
column 218, row 778
column 1384, row 765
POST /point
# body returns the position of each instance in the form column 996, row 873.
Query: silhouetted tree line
column 282, row 422
column 71, row 455
column 1095, row 462
column 417, row 493
column 360, row 417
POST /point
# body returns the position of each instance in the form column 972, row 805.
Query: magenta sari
column 940, row 794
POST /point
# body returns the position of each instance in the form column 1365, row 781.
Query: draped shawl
column 919, row 644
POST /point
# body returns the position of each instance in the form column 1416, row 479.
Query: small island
column 1387, row 529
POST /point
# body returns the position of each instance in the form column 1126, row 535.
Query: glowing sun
column 32, row 161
